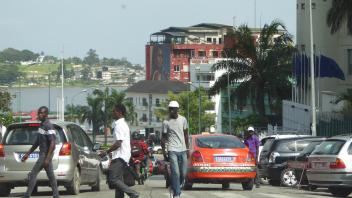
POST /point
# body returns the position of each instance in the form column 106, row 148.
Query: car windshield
column 217, row 142
column 309, row 149
column 291, row 145
column 26, row 135
column 329, row 147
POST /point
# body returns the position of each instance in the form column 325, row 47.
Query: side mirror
column 96, row 146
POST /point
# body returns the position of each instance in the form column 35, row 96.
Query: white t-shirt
column 122, row 132
column 175, row 129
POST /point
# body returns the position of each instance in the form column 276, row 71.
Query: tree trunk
column 260, row 97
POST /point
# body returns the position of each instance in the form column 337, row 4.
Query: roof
column 157, row 86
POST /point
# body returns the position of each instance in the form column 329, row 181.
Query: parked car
column 105, row 163
column 219, row 158
column 75, row 159
column 330, row 165
column 275, row 154
column 300, row 165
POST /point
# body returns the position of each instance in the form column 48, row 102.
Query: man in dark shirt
column 253, row 143
column 46, row 142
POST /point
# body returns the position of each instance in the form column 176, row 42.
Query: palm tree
column 260, row 68
column 340, row 11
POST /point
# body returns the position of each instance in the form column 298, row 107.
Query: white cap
column 250, row 129
column 174, row 104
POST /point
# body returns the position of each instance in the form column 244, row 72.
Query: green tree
column 8, row 73
column 86, row 73
column 5, row 101
column 261, row 69
column 189, row 105
column 27, row 55
column 340, row 13
column 92, row 58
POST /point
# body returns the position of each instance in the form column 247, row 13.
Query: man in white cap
column 253, row 143
column 175, row 134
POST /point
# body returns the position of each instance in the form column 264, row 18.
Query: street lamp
column 73, row 97
column 200, row 100
column 228, row 89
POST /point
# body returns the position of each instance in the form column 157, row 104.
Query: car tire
column 248, row 185
column 4, row 191
column 340, row 192
column 274, row 182
column 75, row 184
column 312, row 187
column 225, row 186
column 288, row 178
column 96, row 186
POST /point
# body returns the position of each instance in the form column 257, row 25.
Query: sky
column 122, row 28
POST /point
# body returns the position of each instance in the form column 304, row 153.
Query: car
column 105, row 163
column 75, row 159
column 275, row 154
column 300, row 165
column 331, row 167
column 220, row 159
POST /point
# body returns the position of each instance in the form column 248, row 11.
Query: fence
column 330, row 124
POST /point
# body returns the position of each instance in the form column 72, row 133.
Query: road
column 155, row 188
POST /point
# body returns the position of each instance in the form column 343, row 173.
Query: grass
column 40, row 69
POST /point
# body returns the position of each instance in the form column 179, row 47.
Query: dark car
column 275, row 154
column 296, row 169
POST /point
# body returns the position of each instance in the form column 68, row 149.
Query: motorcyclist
column 139, row 152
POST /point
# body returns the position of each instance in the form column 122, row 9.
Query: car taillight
column 2, row 152
column 273, row 156
column 197, row 157
column 337, row 164
column 65, row 149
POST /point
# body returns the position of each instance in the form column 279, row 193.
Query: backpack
column 136, row 149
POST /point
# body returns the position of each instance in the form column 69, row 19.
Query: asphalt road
column 155, row 188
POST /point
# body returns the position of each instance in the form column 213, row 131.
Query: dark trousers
column 116, row 169
column 32, row 176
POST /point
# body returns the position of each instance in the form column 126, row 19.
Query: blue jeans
column 178, row 165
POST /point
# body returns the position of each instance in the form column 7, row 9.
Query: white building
column 147, row 96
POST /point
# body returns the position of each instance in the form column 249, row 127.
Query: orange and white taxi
column 220, row 159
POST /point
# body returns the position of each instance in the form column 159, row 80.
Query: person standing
column 121, row 154
column 46, row 142
column 253, row 143
column 175, row 134
column 2, row 128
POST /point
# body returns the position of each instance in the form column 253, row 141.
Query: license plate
column 319, row 165
column 223, row 159
column 31, row 156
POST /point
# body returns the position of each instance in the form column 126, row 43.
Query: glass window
column 201, row 53
column 208, row 40
column 268, row 144
column 302, row 6
column 291, row 146
column 349, row 61
column 219, row 142
column 144, row 101
column 350, row 149
column 329, row 147
column 85, row 139
column 76, row 135
column 157, row 102
column 177, row 68
column 215, row 54
column 262, row 142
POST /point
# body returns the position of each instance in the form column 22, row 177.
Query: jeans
column 116, row 170
column 178, row 165
column 32, row 176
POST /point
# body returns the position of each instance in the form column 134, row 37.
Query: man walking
column 253, row 143
column 121, row 154
column 46, row 142
column 175, row 134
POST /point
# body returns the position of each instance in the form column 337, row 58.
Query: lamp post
column 200, row 100
column 228, row 89
column 73, row 97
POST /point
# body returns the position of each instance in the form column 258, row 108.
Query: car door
column 82, row 159
column 90, row 155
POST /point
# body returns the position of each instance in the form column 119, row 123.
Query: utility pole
column 62, row 88
column 312, row 73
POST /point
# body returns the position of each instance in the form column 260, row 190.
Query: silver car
column 75, row 160
column 330, row 165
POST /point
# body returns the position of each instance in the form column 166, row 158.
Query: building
column 147, row 96
column 169, row 51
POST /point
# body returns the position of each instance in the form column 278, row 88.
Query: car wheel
column 274, row 182
column 339, row 192
column 5, row 190
column 288, row 177
column 225, row 186
column 248, row 185
column 75, row 185
column 96, row 186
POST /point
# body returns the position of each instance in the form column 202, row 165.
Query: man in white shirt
column 121, row 154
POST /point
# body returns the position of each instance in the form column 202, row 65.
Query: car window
column 309, row 149
column 84, row 137
column 219, row 142
column 267, row 145
column 329, row 147
column 76, row 135
column 291, row 146
column 262, row 142
column 27, row 135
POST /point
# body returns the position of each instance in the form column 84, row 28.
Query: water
column 29, row 99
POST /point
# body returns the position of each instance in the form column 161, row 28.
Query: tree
column 261, row 69
column 86, row 73
column 5, row 101
column 92, row 58
column 8, row 73
column 191, row 99
column 339, row 13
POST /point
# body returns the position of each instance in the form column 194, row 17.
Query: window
column 145, row 102
column 329, row 147
column 157, row 102
column 201, row 53
column 210, row 77
column 157, row 119
column 314, row 5
column 176, row 68
column 302, row 6
column 220, row 40
column 193, row 54
column 208, row 40
column 303, row 48
column 198, row 77
column 85, row 139
column 144, row 118
column 76, row 136
column 349, row 61
column 217, row 142
column 215, row 54
column 214, row 40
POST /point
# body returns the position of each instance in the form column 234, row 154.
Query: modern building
column 147, row 96
column 169, row 51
